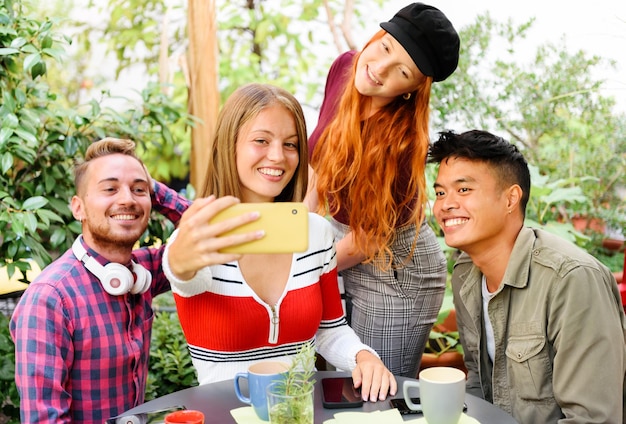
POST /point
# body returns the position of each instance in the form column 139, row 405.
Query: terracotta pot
column 614, row 245
column 447, row 359
column 448, row 324
column 582, row 223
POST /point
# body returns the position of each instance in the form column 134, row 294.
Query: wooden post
column 204, row 97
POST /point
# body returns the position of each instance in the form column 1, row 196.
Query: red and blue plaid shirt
column 81, row 353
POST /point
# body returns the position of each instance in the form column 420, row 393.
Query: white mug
column 442, row 394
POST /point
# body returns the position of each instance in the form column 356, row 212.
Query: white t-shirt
column 491, row 345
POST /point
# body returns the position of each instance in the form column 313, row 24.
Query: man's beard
column 102, row 236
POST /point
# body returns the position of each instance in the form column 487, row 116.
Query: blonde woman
column 239, row 309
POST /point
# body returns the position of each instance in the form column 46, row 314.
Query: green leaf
column 4, row 51
column 46, row 42
column 9, row 102
column 18, row 42
column 30, row 222
column 7, row 162
column 17, row 225
column 12, row 248
column 7, row 369
column 75, row 227
column 54, row 53
column 58, row 237
column 38, row 69
column 31, row 60
column 10, row 202
column 45, row 26
column 34, row 203
column 10, row 120
column 29, row 48
column 20, row 96
column 30, row 138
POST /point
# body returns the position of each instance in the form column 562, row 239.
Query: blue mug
column 259, row 376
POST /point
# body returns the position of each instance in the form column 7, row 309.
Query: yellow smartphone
column 286, row 226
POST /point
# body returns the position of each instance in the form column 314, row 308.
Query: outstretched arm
column 198, row 242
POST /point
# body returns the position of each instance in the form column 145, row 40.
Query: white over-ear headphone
column 115, row 278
column 130, row 419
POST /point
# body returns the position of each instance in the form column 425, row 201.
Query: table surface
column 216, row 400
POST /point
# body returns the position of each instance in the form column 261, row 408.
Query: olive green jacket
column 558, row 324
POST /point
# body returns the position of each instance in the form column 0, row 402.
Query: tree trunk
column 204, row 96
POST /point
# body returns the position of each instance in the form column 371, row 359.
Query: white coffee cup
column 442, row 394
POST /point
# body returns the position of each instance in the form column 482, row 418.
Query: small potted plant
column 291, row 400
column 443, row 348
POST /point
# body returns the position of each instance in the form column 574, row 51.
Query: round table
column 216, row 400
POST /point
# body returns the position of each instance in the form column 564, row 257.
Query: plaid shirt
column 81, row 353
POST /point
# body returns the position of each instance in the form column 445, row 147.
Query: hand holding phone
column 339, row 392
column 286, row 227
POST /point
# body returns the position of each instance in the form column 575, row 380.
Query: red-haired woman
column 368, row 154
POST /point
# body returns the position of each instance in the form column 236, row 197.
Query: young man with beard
column 82, row 328
column 541, row 321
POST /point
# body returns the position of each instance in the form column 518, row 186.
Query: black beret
column 428, row 37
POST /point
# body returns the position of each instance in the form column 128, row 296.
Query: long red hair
column 358, row 165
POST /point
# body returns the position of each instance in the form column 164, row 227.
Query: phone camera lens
column 294, row 211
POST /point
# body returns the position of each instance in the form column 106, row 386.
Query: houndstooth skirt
column 393, row 311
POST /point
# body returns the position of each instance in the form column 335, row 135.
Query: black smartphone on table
column 339, row 392
column 402, row 407
column 151, row 417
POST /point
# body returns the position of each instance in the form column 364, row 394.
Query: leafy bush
column 170, row 362
column 40, row 137
column 441, row 338
column 9, row 398
column 549, row 198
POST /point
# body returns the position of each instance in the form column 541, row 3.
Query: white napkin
column 465, row 419
column 390, row 416
column 246, row 415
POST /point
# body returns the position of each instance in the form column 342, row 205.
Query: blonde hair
column 106, row 146
column 243, row 105
column 358, row 165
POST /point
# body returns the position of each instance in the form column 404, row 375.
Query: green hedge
column 170, row 363
column 9, row 402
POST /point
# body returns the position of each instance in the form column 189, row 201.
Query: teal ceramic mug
column 259, row 376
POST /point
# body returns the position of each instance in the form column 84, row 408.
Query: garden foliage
column 40, row 138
